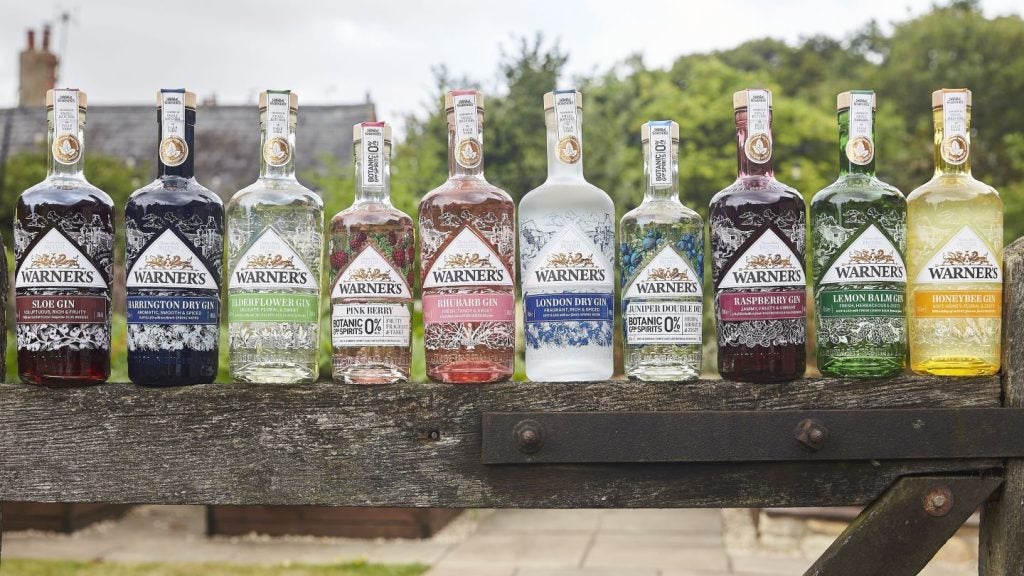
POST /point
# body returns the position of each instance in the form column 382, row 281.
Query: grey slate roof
column 227, row 138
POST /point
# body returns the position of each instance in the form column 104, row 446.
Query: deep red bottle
column 63, row 247
column 758, row 240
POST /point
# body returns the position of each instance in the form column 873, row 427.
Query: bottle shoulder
column 758, row 191
column 275, row 192
column 857, row 189
column 460, row 191
column 173, row 192
column 661, row 212
column 953, row 188
column 560, row 195
column 64, row 192
column 371, row 215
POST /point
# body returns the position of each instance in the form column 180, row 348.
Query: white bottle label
column 371, row 174
column 860, row 148
column 661, row 154
column 869, row 258
column 56, row 262
column 377, row 324
column 168, row 263
column 965, row 259
column 767, row 263
column 654, row 322
column 467, row 261
column 371, row 275
column 271, row 263
column 567, row 126
column 468, row 151
column 569, row 261
column 67, row 149
column 278, row 150
column 173, row 146
column 955, row 144
column 758, row 147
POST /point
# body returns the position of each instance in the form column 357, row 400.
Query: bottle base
column 61, row 381
column 862, row 368
column 572, row 372
column 668, row 373
column 955, row 366
column 370, row 375
column 470, row 373
column 274, row 373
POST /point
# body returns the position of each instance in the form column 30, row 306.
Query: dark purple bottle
column 173, row 254
column 758, row 240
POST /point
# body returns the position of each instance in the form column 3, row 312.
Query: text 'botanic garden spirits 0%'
column 567, row 246
column 758, row 239
column 954, row 255
column 858, row 233
column 467, row 256
column 174, row 248
column 275, row 243
column 372, row 253
column 661, row 260
column 63, row 249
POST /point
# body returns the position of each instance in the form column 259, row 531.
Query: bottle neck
column 957, row 144
column 171, row 168
column 373, row 178
column 71, row 164
column 660, row 167
column 466, row 148
column 857, row 158
column 277, row 143
column 565, row 156
column 746, row 166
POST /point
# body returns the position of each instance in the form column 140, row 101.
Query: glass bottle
column 859, row 231
column 758, row 238
column 954, row 255
column 567, row 247
column 661, row 264
column 467, row 259
column 63, row 249
column 372, row 252
column 174, row 249
column 275, row 245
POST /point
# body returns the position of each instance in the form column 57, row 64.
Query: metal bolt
column 529, row 436
column 938, row 501
column 811, row 434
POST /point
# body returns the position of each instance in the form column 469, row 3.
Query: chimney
column 37, row 71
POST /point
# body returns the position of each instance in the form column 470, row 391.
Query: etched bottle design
column 63, row 249
column 467, row 260
column 954, row 255
column 372, row 266
column 567, row 247
column 275, row 239
column 661, row 264
column 173, row 254
column 758, row 239
column 859, row 230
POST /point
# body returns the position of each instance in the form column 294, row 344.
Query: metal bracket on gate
column 751, row 436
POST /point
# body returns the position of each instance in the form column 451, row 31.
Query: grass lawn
column 64, row 568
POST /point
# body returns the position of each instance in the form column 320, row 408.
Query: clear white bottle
column 567, row 251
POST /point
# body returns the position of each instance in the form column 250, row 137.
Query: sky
column 123, row 51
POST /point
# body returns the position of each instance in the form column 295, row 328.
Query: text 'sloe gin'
column 567, row 247
column 372, row 253
column 661, row 260
column 858, row 236
column 63, row 249
column 954, row 255
column 758, row 239
column 174, row 248
column 275, row 243
column 467, row 257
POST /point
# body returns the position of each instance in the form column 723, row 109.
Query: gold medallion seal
column 758, row 148
column 67, row 149
column 955, row 150
column 468, row 153
column 569, row 150
column 173, row 151
column 277, row 151
column 860, row 150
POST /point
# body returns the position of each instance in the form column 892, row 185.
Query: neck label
column 173, row 147
column 67, row 148
column 567, row 126
column 468, row 152
column 955, row 145
column 277, row 150
column 758, row 147
column 860, row 148
column 371, row 174
column 661, row 154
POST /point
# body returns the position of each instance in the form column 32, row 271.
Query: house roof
column 227, row 138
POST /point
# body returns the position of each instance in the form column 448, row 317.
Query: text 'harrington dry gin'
column 63, row 249
column 661, row 261
column 954, row 255
column 372, row 252
column 174, row 247
column 859, row 231
column 567, row 247
column 758, row 238
column 467, row 256
column 275, row 243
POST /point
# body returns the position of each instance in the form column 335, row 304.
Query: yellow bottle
column 954, row 255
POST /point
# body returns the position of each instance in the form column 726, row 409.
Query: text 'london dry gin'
column 661, row 261
column 372, row 252
column 858, row 233
column 954, row 255
column 758, row 239
column 174, row 246
column 567, row 246
column 63, row 249
column 467, row 259
column 275, row 241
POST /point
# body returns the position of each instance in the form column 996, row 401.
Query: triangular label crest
column 169, row 263
column 766, row 263
column 965, row 258
column 467, row 261
column 56, row 262
column 667, row 274
column 271, row 263
column 569, row 260
column 370, row 275
column 869, row 258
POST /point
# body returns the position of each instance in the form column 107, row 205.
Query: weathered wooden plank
column 417, row 445
column 1002, row 526
column 900, row 532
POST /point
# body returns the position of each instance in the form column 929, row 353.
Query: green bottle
column 859, row 236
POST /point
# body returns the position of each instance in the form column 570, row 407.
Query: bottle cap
column 357, row 130
column 83, row 102
column 449, row 98
column 190, row 98
column 549, row 99
column 645, row 132
column 739, row 99
column 293, row 98
column 844, row 98
column 937, row 96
